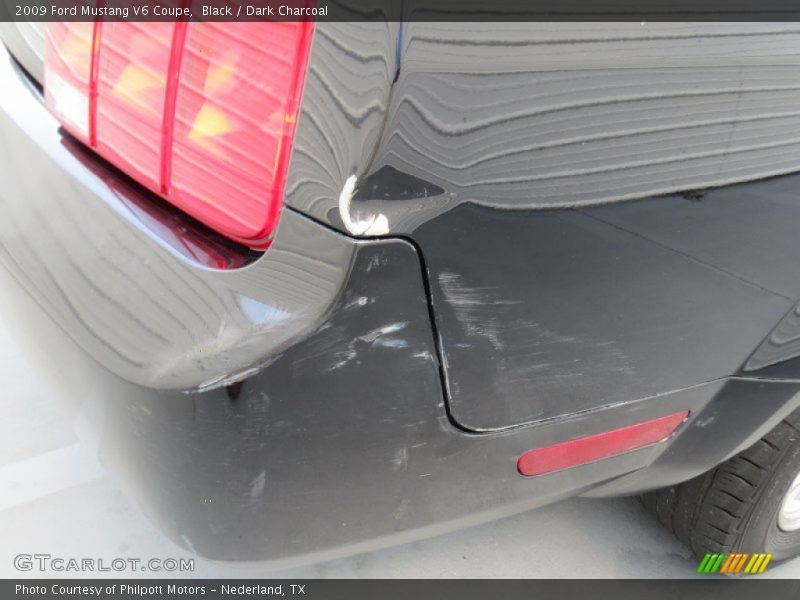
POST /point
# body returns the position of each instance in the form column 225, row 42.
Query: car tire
column 750, row 503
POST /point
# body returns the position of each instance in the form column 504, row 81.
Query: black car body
column 496, row 237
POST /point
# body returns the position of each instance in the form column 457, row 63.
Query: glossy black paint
column 566, row 311
column 720, row 430
column 359, row 393
column 343, row 443
column 524, row 145
column 533, row 116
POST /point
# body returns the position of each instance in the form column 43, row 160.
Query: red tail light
column 601, row 445
column 201, row 113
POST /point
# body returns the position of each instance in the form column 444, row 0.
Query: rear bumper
column 338, row 441
column 342, row 444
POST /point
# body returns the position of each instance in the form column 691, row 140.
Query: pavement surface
column 56, row 499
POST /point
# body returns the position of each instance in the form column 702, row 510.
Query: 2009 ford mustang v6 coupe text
column 335, row 286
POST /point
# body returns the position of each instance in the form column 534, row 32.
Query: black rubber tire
column 734, row 507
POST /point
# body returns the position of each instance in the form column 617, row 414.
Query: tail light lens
column 68, row 74
column 201, row 113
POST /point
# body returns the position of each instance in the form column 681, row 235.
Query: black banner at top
column 401, row 10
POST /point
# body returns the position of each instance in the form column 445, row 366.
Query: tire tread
column 709, row 513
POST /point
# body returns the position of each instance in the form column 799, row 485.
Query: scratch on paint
column 400, row 459
column 540, row 355
column 373, row 335
column 257, row 486
column 475, row 307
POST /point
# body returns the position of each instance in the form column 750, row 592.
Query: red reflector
column 201, row 113
column 601, row 445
